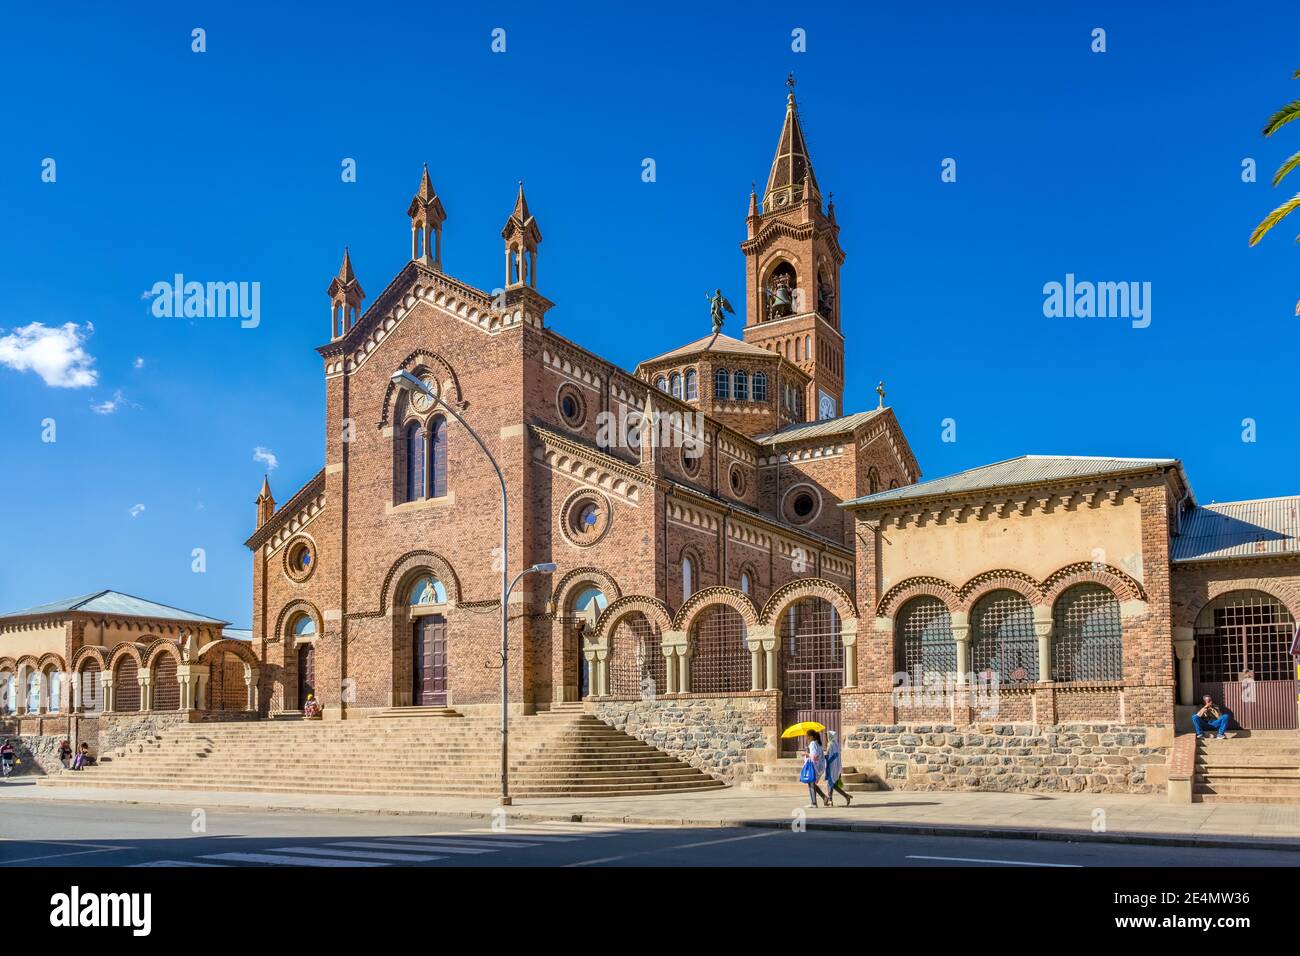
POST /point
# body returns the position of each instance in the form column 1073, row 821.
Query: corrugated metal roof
column 819, row 429
column 114, row 602
column 237, row 633
column 714, row 343
column 1025, row 470
column 1239, row 529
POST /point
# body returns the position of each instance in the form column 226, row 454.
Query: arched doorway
column 1243, row 659
column 812, row 665
column 636, row 660
column 306, row 673
column 429, row 661
column 584, row 609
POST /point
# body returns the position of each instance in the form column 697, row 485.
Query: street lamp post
column 408, row 382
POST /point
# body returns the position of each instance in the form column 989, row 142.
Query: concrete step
column 1234, row 788
column 1271, row 799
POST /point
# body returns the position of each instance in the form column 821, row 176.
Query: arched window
column 33, row 692
column 303, row 626
column 55, row 678
column 126, row 686
column 745, row 583
column 637, row 667
column 414, row 461
column 586, row 596
column 740, row 387
column 721, row 384
column 10, row 694
column 675, row 385
column 427, row 590
column 1087, row 640
column 661, row 383
column 923, row 641
column 692, row 385
column 807, row 347
column 688, row 577
column 438, row 458
column 1239, row 632
column 798, row 347
column 760, row 387
column 1002, row 638
column 873, row 480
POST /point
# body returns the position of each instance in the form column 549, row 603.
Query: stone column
column 755, row 664
column 684, row 668
column 1043, row 631
column 1185, row 649
column 146, row 690
column 761, row 664
column 106, row 681
column 670, row 667
column 602, row 672
column 74, row 690
column 961, row 704
column 849, row 634
column 250, row 682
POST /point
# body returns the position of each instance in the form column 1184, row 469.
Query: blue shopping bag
column 809, row 772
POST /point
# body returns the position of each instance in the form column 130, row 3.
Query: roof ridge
column 1250, row 501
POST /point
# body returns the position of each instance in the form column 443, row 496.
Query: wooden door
column 306, row 672
column 429, row 662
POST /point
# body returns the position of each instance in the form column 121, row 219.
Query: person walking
column 833, row 770
column 814, row 766
column 8, row 757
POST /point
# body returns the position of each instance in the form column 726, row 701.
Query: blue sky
column 225, row 165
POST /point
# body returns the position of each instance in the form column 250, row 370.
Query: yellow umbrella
column 798, row 730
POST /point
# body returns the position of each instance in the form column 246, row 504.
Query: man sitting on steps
column 1211, row 717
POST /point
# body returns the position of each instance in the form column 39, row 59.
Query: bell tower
column 792, row 270
column 427, row 216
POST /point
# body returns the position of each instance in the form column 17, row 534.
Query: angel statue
column 718, row 302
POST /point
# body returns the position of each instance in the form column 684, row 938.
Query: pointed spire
column 266, row 488
column 265, row 503
column 522, row 236
column 791, row 179
column 427, row 216
column 426, row 186
column 346, row 274
column 521, row 205
column 521, row 220
column 753, row 199
column 346, row 296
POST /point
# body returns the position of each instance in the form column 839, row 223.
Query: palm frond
column 1273, row 218
column 1296, row 75
column 1285, row 168
column 1283, row 116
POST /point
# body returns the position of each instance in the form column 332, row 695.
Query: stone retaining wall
column 714, row 734
column 1096, row 758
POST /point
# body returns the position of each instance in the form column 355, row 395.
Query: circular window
column 802, row 504
column 691, row 460
column 737, row 479
column 300, row 559
column 571, row 407
column 585, row 518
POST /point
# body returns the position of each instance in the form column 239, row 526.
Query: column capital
column 675, row 639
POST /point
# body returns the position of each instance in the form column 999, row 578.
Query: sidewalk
column 1123, row 819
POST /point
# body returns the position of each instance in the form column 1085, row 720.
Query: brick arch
column 49, row 658
column 568, row 585
column 8, row 664
column 290, row 610
column 654, row 610
column 125, row 649
column 28, row 660
column 706, row 597
column 89, row 652
column 1113, row 579
column 412, row 561
column 157, row 649
column 240, row 649
column 1288, row 594
column 1000, row 580
column 802, row 588
column 422, row 358
column 905, row 590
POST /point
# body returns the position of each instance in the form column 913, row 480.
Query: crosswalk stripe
column 455, row 839
column 286, row 860
column 176, row 863
column 395, row 857
column 532, row 835
column 437, row 848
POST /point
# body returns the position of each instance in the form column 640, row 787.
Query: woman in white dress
column 817, row 756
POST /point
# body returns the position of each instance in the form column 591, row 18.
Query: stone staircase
column 562, row 753
column 1263, row 767
column 782, row 776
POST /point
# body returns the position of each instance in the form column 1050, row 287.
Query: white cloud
column 267, row 457
column 55, row 354
column 138, row 363
column 136, row 511
column 109, row 405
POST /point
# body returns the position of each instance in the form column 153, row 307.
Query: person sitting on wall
column 1212, row 717
column 84, row 758
column 311, row 709
column 65, row 754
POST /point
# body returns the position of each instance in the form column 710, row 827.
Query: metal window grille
column 226, row 689
column 1088, row 639
column 923, row 642
column 637, row 667
column 92, row 691
column 1002, row 638
column 126, row 686
column 719, row 652
column 812, row 655
column 1245, row 631
column 166, row 687
column 721, row 384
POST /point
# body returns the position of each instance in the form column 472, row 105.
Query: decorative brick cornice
column 312, row 492
column 588, row 466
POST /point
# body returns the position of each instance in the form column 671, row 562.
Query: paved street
column 88, row 835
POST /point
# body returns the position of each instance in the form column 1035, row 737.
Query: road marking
column 286, row 860
column 458, row 840
column 176, row 863
column 530, row 835
column 679, row 846
column 437, row 848
column 360, row 855
column 967, row 859
column 52, row 856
